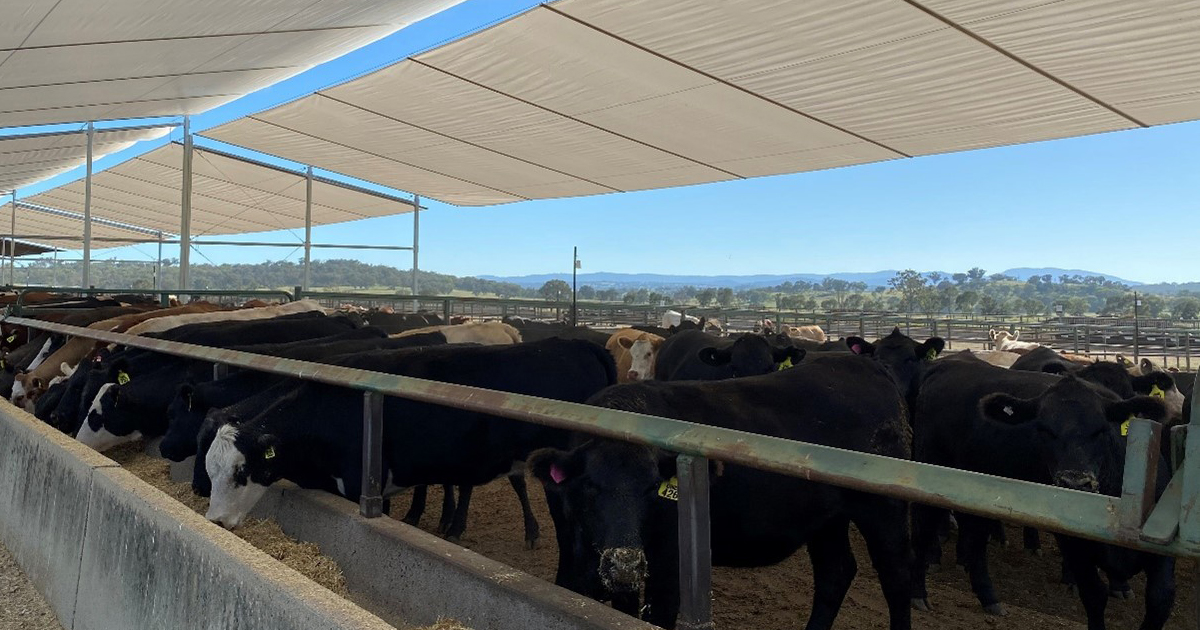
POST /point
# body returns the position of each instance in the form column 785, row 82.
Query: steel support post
column 695, row 551
column 87, row 211
column 12, row 243
column 1142, row 451
column 308, row 182
column 158, row 265
column 370, row 502
column 185, row 211
column 416, row 246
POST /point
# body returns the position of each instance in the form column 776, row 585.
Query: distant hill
column 1024, row 273
column 605, row 280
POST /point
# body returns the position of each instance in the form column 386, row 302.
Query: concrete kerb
column 109, row 551
column 403, row 573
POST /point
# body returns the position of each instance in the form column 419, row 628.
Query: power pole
column 574, row 287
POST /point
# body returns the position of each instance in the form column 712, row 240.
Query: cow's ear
column 118, row 366
column 1140, row 406
column 1008, row 409
column 36, row 382
column 552, row 466
column 715, row 357
column 858, row 345
column 1123, row 362
column 1147, row 366
column 782, row 355
column 625, row 342
column 1055, row 367
column 931, row 348
column 1147, row 383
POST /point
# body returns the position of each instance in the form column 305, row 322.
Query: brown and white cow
column 635, row 352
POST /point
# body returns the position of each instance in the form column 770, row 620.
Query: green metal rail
column 163, row 295
column 1082, row 514
column 1171, row 526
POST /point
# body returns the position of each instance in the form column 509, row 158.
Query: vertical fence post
column 695, row 552
column 1142, row 451
column 370, row 501
column 86, row 280
column 220, row 371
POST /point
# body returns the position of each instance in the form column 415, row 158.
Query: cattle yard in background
column 1171, row 526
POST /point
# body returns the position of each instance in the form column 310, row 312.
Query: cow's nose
column 1077, row 480
column 623, row 569
column 633, row 375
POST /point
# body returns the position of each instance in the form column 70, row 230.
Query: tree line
column 971, row 291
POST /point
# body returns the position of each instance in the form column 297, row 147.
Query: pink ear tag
column 557, row 473
column 856, row 348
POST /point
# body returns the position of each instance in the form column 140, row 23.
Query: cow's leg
column 448, row 509
column 516, row 477
column 454, row 534
column 926, row 526
column 833, row 570
column 1032, row 541
column 1160, row 592
column 973, row 534
column 1077, row 558
column 886, row 531
column 417, row 508
column 1118, row 586
column 997, row 534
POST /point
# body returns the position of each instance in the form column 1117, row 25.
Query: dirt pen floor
column 21, row 606
column 779, row 596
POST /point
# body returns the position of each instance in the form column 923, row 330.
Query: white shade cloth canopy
column 581, row 97
column 26, row 159
column 229, row 196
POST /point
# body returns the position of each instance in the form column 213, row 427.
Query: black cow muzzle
column 1077, row 480
column 623, row 569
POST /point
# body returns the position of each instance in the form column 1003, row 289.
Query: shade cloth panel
column 582, row 97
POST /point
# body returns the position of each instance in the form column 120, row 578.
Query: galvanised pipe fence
column 1170, row 526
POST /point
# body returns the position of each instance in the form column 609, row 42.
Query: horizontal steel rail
column 163, row 294
column 1092, row 516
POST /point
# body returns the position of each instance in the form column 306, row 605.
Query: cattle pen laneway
column 21, row 606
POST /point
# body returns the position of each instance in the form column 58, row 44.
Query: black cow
column 193, row 399
column 536, row 331
column 693, row 355
column 655, row 330
column 617, row 534
column 904, row 358
column 393, row 323
column 317, row 429
column 1036, row 427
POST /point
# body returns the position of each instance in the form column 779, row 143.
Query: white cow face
column 643, row 353
column 239, row 478
column 96, row 430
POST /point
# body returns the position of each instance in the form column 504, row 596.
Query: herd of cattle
column 1022, row 411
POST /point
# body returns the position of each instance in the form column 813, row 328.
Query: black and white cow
column 317, row 429
column 1036, row 427
column 617, row 534
column 694, row 355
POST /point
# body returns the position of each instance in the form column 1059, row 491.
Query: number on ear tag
column 669, row 489
column 11, row 338
column 270, row 453
column 931, row 355
column 122, row 377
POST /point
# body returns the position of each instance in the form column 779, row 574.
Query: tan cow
column 485, row 333
column 635, row 352
column 241, row 315
column 998, row 358
column 1010, row 342
column 811, row 333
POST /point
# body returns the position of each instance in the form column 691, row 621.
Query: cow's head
column 1079, row 428
column 110, row 419
column 185, row 414
column 1127, row 385
column 904, row 357
column 607, row 494
column 241, row 465
column 642, row 351
column 751, row 355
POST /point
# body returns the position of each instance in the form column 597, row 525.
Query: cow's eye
column 240, row 476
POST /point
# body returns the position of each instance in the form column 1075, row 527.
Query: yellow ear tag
column 787, row 363
column 1156, row 392
column 669, row 489
column 931, row 355
column 122, row 377
column 1125, row 425
column 270, row 453
column 11, row 338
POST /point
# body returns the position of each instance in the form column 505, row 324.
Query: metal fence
column 1171, row 526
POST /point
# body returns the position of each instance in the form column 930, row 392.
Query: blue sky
column 1122, row 203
